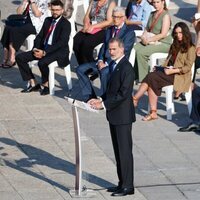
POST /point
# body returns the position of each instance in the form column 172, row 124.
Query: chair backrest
column 167, row 3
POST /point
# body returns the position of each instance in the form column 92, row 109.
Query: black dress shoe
column 190, row 127
column 123, row 192
column 45, row 91
column 31, row 89
column 113, row 189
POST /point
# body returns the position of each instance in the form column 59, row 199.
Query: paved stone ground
column 37, row 144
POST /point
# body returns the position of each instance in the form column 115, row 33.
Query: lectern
column 79, row 191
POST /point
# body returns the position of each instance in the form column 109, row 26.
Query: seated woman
column 137, row 13
column 97, row 18
column 178, row 71
column 156, row 38
column 14, row 36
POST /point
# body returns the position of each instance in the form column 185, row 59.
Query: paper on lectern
column 81, row 104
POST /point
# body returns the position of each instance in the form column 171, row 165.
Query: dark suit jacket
column 118, row 98
column 59, row 47
column 126, row 34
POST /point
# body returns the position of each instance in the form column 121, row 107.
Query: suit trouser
column 142, row 54
column 195, row 114
column 22, row 60
column 122, row 145
column 84, row 81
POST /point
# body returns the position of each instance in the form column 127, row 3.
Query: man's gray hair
column 119, row 9
column 120, row 42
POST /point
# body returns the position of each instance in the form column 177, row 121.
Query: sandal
column 135, row 101
column 3, row 64
column 9, row 64
column 150, row 117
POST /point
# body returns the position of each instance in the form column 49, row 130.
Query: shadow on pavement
column 41, row 157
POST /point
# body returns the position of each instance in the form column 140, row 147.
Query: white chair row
column 169, row 89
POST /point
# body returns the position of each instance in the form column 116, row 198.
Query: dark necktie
column 111, row 66
column 52, row 26
column 115, row 32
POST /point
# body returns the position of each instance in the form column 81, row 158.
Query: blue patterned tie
column 111, row 66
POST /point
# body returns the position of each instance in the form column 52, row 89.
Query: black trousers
column 16, row 35
column 122, row 145
column 84, row 45
column 22, row 60
column 195, row 114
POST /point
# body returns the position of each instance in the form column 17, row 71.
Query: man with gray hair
column 119, row 30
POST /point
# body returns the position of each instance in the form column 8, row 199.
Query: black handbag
column 16, row 20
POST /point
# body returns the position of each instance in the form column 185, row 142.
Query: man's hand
column 96, row 104
column 101, row 65
column 38, row 53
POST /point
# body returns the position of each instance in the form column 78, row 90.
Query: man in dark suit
column 51, row 44
column 195, row 113
column 121, row 114
column 119, row 30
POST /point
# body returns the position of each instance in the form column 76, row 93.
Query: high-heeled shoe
column 180, row 97
column 3, row 64
column 9, row 64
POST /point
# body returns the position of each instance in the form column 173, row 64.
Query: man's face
column 118, row 18
column 115, row 51
column 56, row 11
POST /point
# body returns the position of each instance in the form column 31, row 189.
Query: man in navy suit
column 120, row 113
column 119, row 30
column 50, row 45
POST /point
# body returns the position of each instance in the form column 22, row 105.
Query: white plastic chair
column 167, row 3
column 169, row 89
column 138, row 33
column 29, row 42
column 67, row 70
column 132, row 57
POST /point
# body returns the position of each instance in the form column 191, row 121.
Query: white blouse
column 38, row 21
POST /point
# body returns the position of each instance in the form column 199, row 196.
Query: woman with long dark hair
column 177, row 71
column 156, row 38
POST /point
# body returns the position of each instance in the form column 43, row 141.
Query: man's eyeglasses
column 117, row 17
column 56, row 10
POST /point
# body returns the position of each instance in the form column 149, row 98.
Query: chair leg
column 51, row 80
column 68, row 76
column 188, row 96
column 169, row 102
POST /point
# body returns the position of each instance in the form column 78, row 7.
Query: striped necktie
column 51, row 28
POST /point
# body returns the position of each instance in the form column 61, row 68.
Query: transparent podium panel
column 81, row 113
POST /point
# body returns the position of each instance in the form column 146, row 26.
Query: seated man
column 195, row 114
column 50, row 45
column 119, row 30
